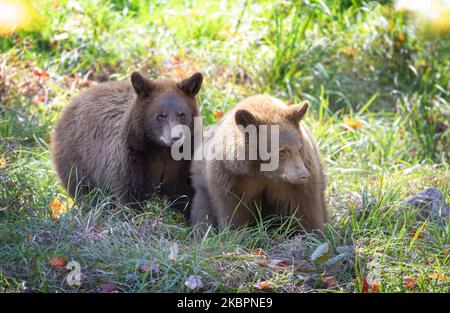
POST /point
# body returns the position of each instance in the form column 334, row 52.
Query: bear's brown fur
column 226, row 190
column 117, row 136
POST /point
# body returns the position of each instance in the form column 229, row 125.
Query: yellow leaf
column 353, row 123
column 57, row 208
column 2, row 161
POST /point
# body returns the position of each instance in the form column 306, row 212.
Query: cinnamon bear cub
column 226, row 191
column 118, row 136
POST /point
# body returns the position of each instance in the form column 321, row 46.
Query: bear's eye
column 182, row 117
column 161, row 116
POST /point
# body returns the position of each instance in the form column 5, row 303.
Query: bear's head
column 291, row 165
column 161, row 106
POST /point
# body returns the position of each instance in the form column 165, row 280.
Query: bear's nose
column 303, row 174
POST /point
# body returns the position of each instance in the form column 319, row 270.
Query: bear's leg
column 232, row 210
column 312, row 213
column 201, row 208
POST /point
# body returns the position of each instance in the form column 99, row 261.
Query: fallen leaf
column 194, row 282
column 57, row 263
column 263, row 284
column 330, row 281
column 57, row 208
column 40, row 73
column 439, row 277
column 107, row 288
column 176, row 60
column 2, row 161
column 418, row 234
column 374, row 287
column 410, row 283
column 353, row 123
column 364, row 285
column 320, row 255
column 173, row 252
column 258, row 252
column 38, row 99
column 280, row 263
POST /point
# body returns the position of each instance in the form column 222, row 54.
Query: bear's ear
column 191, row 86
column 141, row 85
column 245, row 118
column 297, row 112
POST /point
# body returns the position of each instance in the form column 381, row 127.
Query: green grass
column 354, row 60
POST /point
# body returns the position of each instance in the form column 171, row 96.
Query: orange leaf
column 410, row 283
column 219, row 114
column 176, row 60
column 374, row 287
column 40, row 73
column 263, row 284
column 57, row 263
column 38, row 99
column 418, row 233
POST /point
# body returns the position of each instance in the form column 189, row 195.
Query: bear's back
column 89, row 131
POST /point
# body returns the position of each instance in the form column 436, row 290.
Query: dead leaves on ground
column 412, row 282
column 367, row 285
column 320, row 269
column 35, row 85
